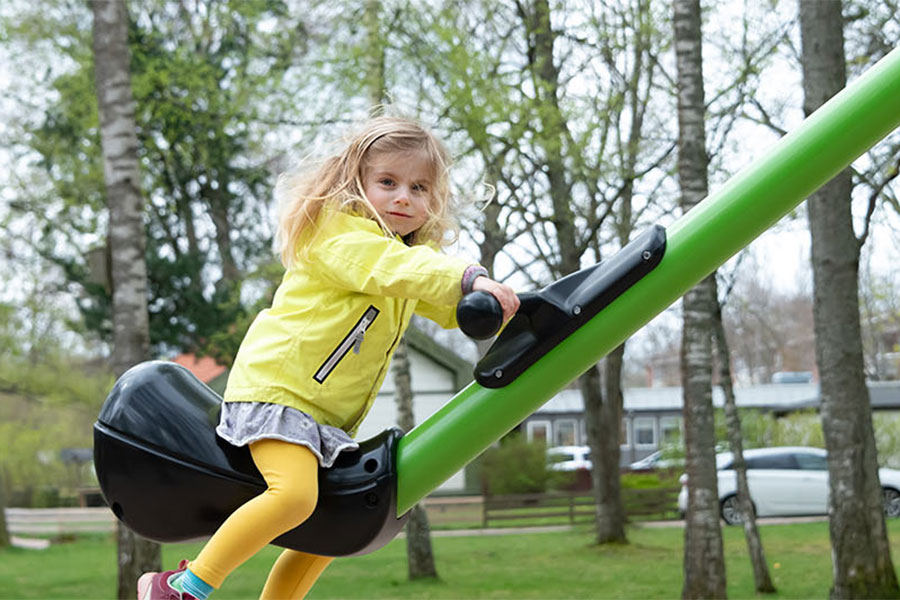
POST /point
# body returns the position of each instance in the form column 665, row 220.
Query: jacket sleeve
column 443, row 315
column 366, row 261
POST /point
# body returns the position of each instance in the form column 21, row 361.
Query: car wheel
column 891, row 501
column 731, row 511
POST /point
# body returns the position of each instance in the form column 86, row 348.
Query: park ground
column 554, row 564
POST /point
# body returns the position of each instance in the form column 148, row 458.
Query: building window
column 644, row 432
column 538, row 431
column 624, row 435
column 670, row 431
column 565, row 432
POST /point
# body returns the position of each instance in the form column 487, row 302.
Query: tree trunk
column 219, row 214
column 551, row 137
column 704, row 563
column 374, row 58
column 553, row 131
column 4, row 531
column 494, row 238
column 122, row 174
column 418, row 534
column 131, row 332
column 761, row 578
column 862, row 566
column 603, row 418
column 420, row 556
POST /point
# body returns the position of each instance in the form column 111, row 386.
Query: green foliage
column 662, row 478
column 48, row 402
column 804, row 428
column 762, row 429
column 37, row 422
column 223, row 343
column 518, row 466
column 887, row 439
column 205, row 79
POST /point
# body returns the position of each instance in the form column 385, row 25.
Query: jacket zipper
column 353, row 340
column 372, row 390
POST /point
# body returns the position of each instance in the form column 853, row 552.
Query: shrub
column 517, row 466
column 887, row 438
column 661, row 478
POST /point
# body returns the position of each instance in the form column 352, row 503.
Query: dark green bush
column 661, row 478
column 517, row 466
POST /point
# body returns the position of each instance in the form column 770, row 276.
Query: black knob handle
column 479, row 315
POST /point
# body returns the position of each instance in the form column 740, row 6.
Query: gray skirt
column 242, row 423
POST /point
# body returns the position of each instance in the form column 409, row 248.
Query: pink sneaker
column 155, row 586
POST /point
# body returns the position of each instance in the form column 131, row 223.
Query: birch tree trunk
column 610, row 514
column 862, row 566
column 419, row 553
column 761, row 579
column 418, row 534
column 704, row 563
column 131, row 330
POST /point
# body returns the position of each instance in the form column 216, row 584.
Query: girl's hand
column 504, row 294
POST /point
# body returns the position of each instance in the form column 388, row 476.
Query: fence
column 453, row 512
column 58, row 521
column 575, row 507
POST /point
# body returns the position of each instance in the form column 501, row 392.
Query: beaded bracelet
column 471, row 273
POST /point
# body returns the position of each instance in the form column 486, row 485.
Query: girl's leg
column 293, row 575
column 291, row 472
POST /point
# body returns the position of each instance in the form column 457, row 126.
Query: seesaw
column 169, row 478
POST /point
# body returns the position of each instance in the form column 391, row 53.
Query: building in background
column 652, row 417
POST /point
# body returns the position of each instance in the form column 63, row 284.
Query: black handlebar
column 479, row 315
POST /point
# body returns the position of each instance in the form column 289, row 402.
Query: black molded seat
column 168, row 476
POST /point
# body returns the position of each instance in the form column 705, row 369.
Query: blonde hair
column 336, row 183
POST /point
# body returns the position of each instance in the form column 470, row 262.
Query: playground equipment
column 168, row 477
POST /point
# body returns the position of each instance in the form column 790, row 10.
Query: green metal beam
column 699, row 242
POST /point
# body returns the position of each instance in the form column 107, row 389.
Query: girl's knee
column 297, row 503
column 291, row 472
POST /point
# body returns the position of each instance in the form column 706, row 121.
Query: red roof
column 205, row 367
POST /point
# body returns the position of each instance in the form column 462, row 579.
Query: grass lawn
column 537, row 565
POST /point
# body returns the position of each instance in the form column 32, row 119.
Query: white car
column 656, row 461
column 569, row 458
column 786, row 481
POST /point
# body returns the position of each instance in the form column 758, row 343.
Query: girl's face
column 398, row 186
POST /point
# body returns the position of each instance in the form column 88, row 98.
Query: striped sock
column 188, row 582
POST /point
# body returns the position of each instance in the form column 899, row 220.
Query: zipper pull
column 360, row 336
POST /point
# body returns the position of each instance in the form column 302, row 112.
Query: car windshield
column 811, row 462
column 808, row 461
column 772, row 461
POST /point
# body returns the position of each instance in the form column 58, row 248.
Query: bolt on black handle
column 479, row 315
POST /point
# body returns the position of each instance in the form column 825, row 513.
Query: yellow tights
column 291, row 473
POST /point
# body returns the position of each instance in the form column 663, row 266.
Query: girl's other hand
column 504, row 294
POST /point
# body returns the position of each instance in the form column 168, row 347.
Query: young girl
column 359, row 237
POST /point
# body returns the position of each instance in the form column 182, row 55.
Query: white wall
column 432, row 386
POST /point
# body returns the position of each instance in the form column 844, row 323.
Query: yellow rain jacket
column 325, row 344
